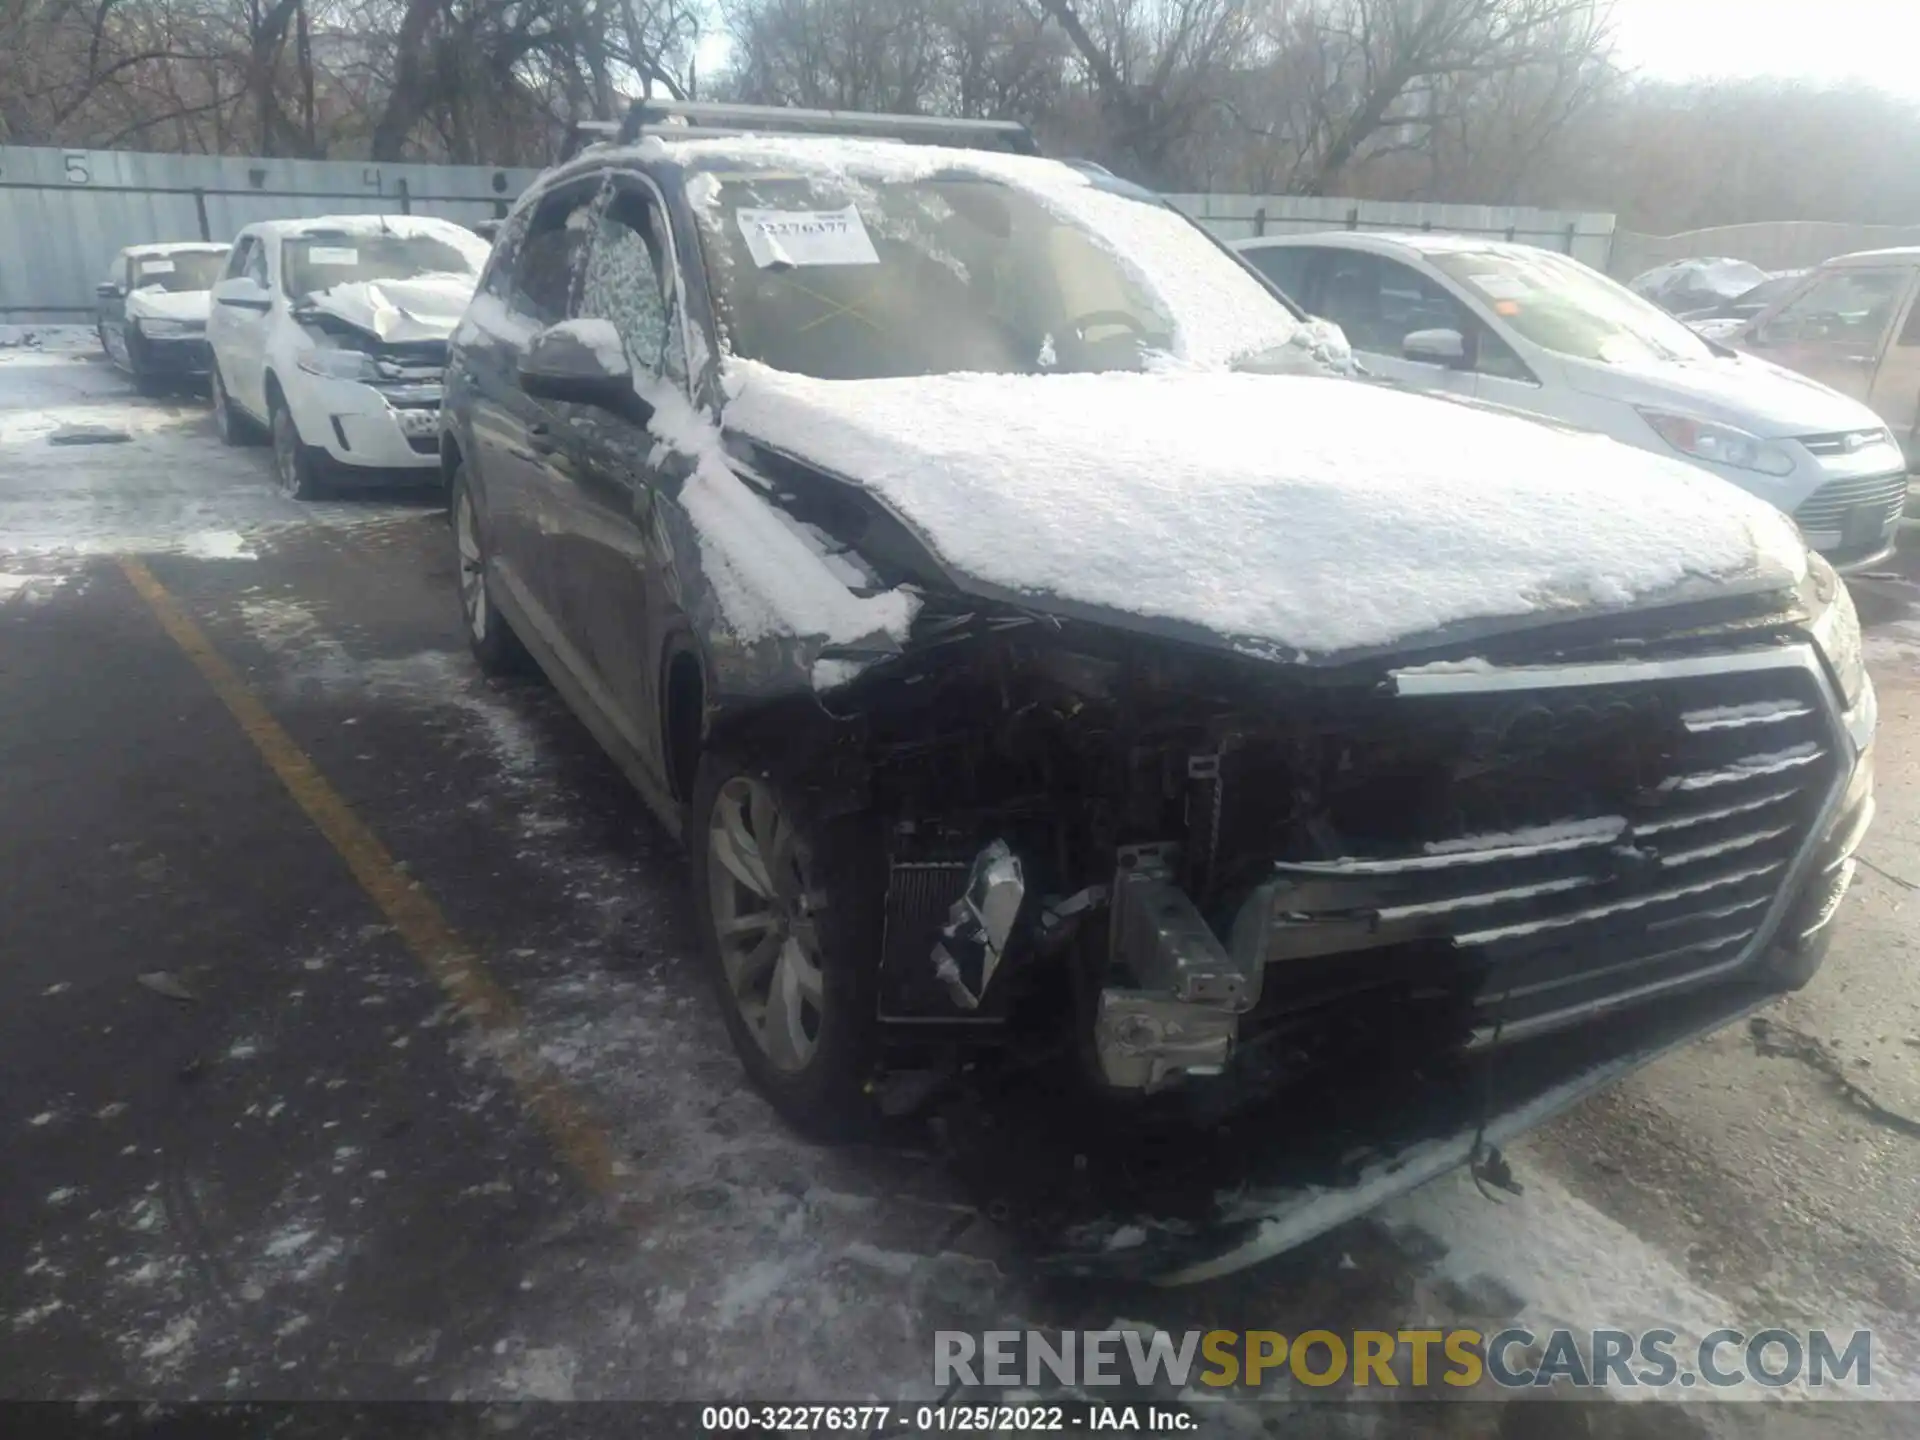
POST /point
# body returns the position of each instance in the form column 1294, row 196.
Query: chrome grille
column 1569, row 913
column 1843, row 442
column 1829, row 506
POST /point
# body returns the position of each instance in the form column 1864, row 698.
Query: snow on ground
column 1288, row 513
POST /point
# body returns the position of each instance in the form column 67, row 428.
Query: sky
column 1821, row 41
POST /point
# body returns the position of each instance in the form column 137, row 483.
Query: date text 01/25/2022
column 945, row 1419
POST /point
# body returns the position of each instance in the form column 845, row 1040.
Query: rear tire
column 294, row 463
column 233, row 427
column 496, row 649
column 791, row 939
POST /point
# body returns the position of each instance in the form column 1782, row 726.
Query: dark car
column 1037, row 678
column 152, row 311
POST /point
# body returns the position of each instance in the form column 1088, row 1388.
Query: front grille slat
column 1667, row 877
column 1828, row 506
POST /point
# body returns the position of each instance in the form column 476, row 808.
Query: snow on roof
column 1219, row 311
column 178, row 247
column 1423, row 241
column 428, row 225
column 1289, row 514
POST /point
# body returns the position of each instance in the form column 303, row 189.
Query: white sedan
column 1539, row 332
column 331, row 336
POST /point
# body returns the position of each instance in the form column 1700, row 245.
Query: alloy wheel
column 764, row 919
column 473, row 579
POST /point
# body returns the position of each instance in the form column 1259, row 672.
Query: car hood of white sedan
column 1744, row 390
column 426, row 307
column 158, row 304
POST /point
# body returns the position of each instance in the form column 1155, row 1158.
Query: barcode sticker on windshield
column 156, row 267
column 807, row 237
column 332, row 255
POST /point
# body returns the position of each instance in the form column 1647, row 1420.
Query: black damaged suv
column 1038, row 650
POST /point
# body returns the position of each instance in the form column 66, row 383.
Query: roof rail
column 582, row 133
column 694, row 119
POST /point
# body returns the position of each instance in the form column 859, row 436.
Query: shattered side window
column 551, row 255
column 626, row 282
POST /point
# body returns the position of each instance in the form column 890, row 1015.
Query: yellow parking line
column 413, row 915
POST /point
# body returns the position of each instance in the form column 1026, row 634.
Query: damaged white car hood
column 158, row 304
column 426, row 307
column 1290, row 515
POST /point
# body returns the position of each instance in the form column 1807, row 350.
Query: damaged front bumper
column 1333, row 1155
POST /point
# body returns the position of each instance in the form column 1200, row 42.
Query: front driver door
column 515, row 435
column 113, row 310
column 606, row 482
column 1835, row 329
column 1378, row 303
column 244, row 334
column 1896, row 385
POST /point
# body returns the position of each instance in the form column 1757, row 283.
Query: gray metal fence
column 1587, row 236
column 64, row 213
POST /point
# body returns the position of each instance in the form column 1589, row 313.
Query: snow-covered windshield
column 181, row 271
column 852, row 272
column 1562, row 306
column 313, row 263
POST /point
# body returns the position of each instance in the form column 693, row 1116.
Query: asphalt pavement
column 351, row 1044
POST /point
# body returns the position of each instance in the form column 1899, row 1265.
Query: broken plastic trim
column 974, row 940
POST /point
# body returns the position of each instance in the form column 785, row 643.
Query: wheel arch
column 683, row 713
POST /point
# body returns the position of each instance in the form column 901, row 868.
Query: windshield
column 319, row 262
column 1562, row 306
column 181, row 271
column 861, row 277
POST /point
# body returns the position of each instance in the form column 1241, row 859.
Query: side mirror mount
column 1436, row 347
column 582, row 362
column 242, row 292
column 108, row 290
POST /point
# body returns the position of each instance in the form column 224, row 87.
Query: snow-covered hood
column 1290, row 516
column 426, row 307
column 157, row 304
column 1742, row 390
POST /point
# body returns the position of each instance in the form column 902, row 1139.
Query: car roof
column 656, row 152
column 178, row 247
column 1895, row 252
column 1393, row 242
column 356, row 225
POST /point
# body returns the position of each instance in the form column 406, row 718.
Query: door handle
column 542, row 439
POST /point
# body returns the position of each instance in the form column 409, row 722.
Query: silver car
column 1539, row 332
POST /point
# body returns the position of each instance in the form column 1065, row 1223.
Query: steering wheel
column 1080, row 324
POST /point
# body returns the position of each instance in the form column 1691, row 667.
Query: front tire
column 294, row 463
column 790, row 913
column 496, row 649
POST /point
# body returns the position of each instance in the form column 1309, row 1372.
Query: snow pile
column 1287, row 513
column 768, row 579
column 1221, row 313
column 52, row 339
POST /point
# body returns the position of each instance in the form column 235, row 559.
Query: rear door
column 1896, row 384
column 1378, row 302
column 1837, row 325
column 604, row 484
